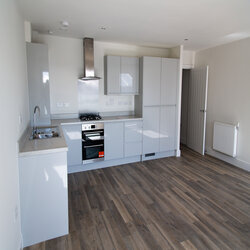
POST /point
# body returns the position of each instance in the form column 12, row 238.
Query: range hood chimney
column 88, row 60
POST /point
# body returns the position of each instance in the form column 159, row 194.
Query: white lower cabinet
column 167, row 128
column 151, row 129
column 113, row 140
column 43, row 196
column 133, row 138
column 73, row 137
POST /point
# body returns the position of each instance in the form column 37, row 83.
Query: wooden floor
column 191, row 202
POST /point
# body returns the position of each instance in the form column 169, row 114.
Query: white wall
column 229, row 90
column 13, row 101
column 66, row 65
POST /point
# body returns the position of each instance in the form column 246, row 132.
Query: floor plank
column 190, row 202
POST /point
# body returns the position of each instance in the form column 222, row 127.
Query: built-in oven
column 92, row 142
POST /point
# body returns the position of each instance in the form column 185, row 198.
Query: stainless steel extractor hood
column 88, row 60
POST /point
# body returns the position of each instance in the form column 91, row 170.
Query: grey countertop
column 29, row 147
column 56, row 122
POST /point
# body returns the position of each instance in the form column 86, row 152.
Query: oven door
column 92, row 146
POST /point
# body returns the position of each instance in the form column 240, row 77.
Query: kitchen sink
column 45, row 133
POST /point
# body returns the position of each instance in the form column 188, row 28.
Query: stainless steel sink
column 45, row 133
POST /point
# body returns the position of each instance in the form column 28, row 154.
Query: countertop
column 29, row 147
column 56, row 122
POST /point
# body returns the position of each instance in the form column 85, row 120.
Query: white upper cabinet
column 169, row 81
column 112, row 74
column 129, row 81
column 151, row 80
column 38, row 82
column 160, row 80
column 121, row 75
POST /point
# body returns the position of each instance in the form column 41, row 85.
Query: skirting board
column 234, row 161
column 102, row 164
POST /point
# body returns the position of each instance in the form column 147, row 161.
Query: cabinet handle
column 93, row 146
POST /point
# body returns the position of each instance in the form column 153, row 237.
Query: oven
column 92, row 142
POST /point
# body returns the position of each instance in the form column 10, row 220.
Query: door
column 129, row 75
column 167, row 128
column 114, row 140
column 197, row 105
column 151, row 81
column 151, row 130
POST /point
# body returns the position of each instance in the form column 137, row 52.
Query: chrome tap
column 34, row 113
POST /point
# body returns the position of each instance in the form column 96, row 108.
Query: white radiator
column 225, row 138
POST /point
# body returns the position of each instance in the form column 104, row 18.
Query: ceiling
column 158, row 23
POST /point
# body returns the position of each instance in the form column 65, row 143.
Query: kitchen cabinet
column 121, row 75
column 38, row 82
column 169, row 81
column 112, row 74
column 133, row 138
column 129, row 78
column 113, row 140
column 73, row 137
column 151, row 77
column 43, row 196
column 167, row 128
column 151, row 129
column 160, row 83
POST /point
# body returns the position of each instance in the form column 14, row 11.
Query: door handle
column 203, row 110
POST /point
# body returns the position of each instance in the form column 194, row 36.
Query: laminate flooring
column 191, row 202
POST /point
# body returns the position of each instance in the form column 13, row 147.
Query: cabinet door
column 114, row 140
column 151, row 81
column 73, row 137
column 133, row 131
column 151, row 129
column 38, row 82
column 112, row 78
column 129, row 78
column 169, row 81
column 133, row 138
column 167, row 128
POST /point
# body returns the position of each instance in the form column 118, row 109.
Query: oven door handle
column 92, row 146
column 92, row 134
column 99, row 139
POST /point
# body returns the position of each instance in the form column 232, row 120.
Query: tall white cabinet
column 159, row 99
column 38, row 82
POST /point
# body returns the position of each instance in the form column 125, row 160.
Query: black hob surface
column 90, row 117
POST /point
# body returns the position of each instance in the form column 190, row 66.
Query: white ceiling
column 160, row 23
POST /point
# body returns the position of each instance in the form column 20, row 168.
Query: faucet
column 34, row 113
